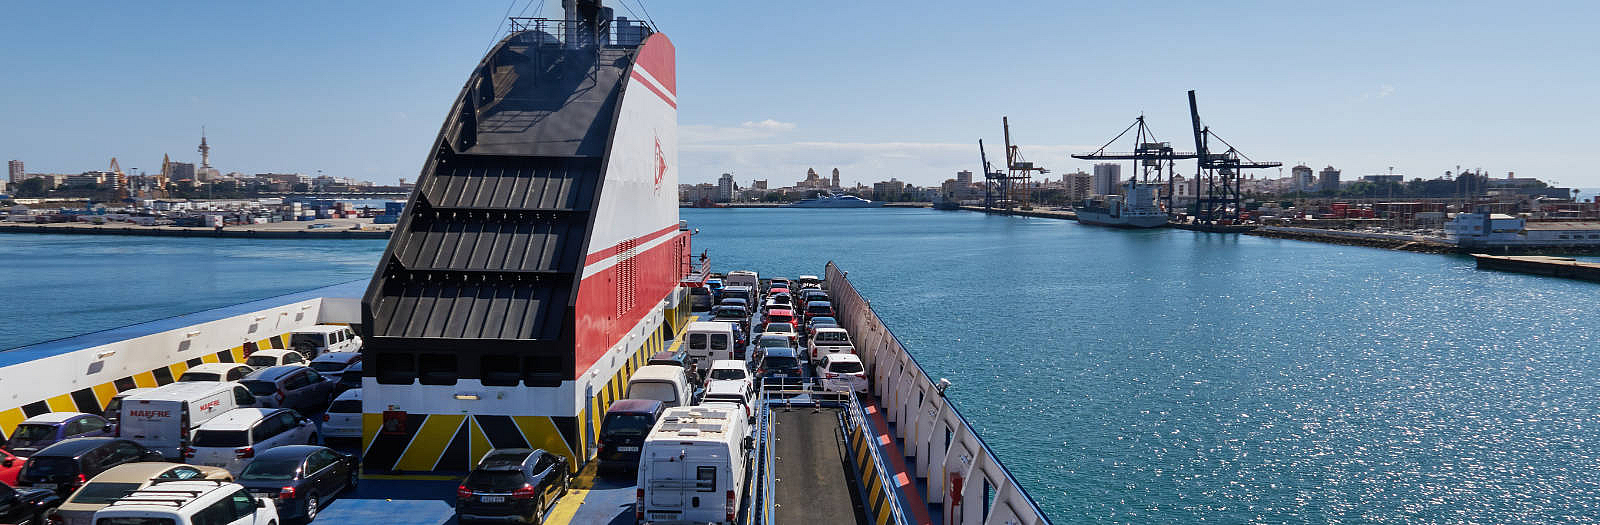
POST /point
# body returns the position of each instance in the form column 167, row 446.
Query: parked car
column 818, row 322
column 122, row 480
column 810, row 281
column 820, row 308
column 731, row 370
column 343, row 418
column 216, row 372
column 350, row 379
column 302, row 478
column 65, row 466
column 622, row 432
column 769, row 342
column 43, row 430
column 784, row 329
column 701, row 299
column 190, row 503
column 829, row 341
column 10, row 464
column 113, row 411
column 512, row 485
column 290, row 386
column 780, row 365
column 333, row 364
column 317, row 340
column 843, row 372
column 26, row 505
column 668, row 357
column 732, row 393
column 272, row 357
column 739, row 302
column 233, row 440
column 779, row 316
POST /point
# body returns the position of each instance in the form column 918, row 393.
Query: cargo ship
column 1135, row 208
column 538, row 264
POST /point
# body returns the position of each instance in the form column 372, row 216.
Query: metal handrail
column 897, row 513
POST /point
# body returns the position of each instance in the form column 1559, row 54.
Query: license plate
column 781, row 376
column 627, row 449
column 493, row 499
column 663, row 515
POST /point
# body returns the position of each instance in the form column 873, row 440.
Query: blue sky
column 877, row 89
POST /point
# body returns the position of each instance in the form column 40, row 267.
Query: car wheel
column 311, row 507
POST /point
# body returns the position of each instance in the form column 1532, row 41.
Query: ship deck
column 813, row 480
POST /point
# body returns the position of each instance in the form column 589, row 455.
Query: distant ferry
column 1136, row 209
column 835, row 201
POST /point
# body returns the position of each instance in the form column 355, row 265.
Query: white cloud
column 1385, row 91
column 748, row 131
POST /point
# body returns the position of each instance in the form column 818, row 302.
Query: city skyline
column 1360, row 86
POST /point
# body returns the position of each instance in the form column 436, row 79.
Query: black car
column 780, row 365
column 26, row 505
column 350, row 379
column 622, row 432
column 66, row 465
column 513, row 484
column 302, row 477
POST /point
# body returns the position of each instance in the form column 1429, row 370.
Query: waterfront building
column 1302, row 178
column 888, row 190
column 726, row 187
column 1380, row 179
column 87, row 178
column 1328, row 179
column 1107, row 176
column 1079, row 185
column 1484, row 229
column 758, row 184
column 835, row 178
column 964, row 177
column 177, row 171
column 17, row 174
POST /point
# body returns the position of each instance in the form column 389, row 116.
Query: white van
column 190, row 503
column 665, row 383
column 742, row 278
column 692, row 466
column 710, row 341
column 163, row 419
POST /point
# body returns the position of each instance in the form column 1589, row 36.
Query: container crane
column 1217, row 191
column 1151, row 158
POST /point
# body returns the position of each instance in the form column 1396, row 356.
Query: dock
column 1564, row 267
column 232, row 232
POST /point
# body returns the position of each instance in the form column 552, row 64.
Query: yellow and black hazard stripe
column 873, row 481
column 452, row 443
column 93, row 399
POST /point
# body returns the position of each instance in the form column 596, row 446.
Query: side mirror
column 106, row 428
column 261, row 503
column 8, row 462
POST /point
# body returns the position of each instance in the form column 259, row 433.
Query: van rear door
column 158, row 424
column 667, row 485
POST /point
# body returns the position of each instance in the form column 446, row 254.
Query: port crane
column 1015, row 185
column 1151, row 159
column 1217, row 182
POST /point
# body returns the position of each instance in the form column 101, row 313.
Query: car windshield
column 221, row 438
column 729, row 311
column 727, row 373
column 626, row 425
column 775, row 342
column 833, row 337
column 134, row 521
column 45, row 467
column 199, row 376
column 327, row 366
column 818, row 321
column 261, row 360
column 724, row 398
column 114, row 408
column 350, row 378
column 305, row 340
column 103, row 492
column 699, row 291
column 346, row 406
column 845, row 367
column 657, row 390
column 32, row 433
column 778, row 327
column 278, row 469
column 261, row 388
column 780, row 363
column 494, row 480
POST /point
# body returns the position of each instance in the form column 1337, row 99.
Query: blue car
column 43, row 430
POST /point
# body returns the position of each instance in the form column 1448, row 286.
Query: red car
column 778, row 315
column 9, row 466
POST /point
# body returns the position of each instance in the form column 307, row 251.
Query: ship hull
column 1126, row 221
